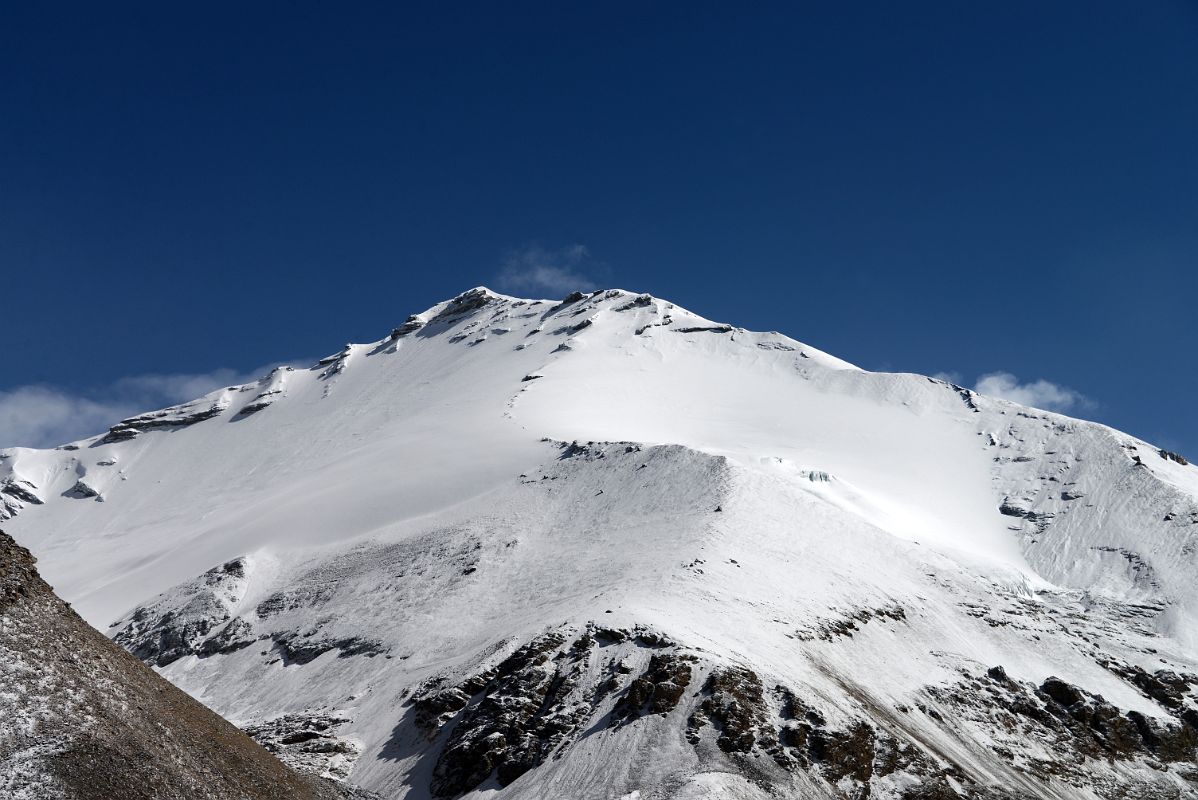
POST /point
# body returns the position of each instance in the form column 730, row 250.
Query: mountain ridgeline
column 604, row 547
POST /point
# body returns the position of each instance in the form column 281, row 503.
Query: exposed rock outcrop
column 160, row 633
column 15, row 494
column 173, row 418
column 303, row 647
column 534, row 706
column 309, row 743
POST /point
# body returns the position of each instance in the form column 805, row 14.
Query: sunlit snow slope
column 604, row 546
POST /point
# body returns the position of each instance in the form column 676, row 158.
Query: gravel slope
column 82, row 719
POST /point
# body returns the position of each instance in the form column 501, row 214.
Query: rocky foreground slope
column 604, row 547
column 81, row 719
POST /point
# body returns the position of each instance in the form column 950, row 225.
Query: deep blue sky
column 931, row 187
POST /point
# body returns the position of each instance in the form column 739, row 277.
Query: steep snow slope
column 757, row 568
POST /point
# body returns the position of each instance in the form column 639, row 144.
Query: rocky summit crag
column 602, row 547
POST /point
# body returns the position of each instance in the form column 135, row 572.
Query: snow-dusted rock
column 81, row 719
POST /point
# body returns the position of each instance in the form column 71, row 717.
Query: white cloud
column 42, row 416
column 45, row 416
column 1040, row 394
column 536, row 269
column 178, row 388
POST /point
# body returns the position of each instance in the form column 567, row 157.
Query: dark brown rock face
column 735, row 704
column 658, row 690
column 535, row 705
column 522, row 717
column 91, row 722
column 1072, row 726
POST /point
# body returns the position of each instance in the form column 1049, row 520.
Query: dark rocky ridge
column 534, row 705
column 83, row 719
column 180, row 416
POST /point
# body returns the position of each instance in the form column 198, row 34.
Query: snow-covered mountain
column 606, row 548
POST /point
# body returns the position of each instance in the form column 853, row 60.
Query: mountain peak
column 640, row 530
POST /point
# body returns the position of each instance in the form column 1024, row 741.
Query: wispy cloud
column 45, row 416
column 535, row 269
column 1040, row 393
